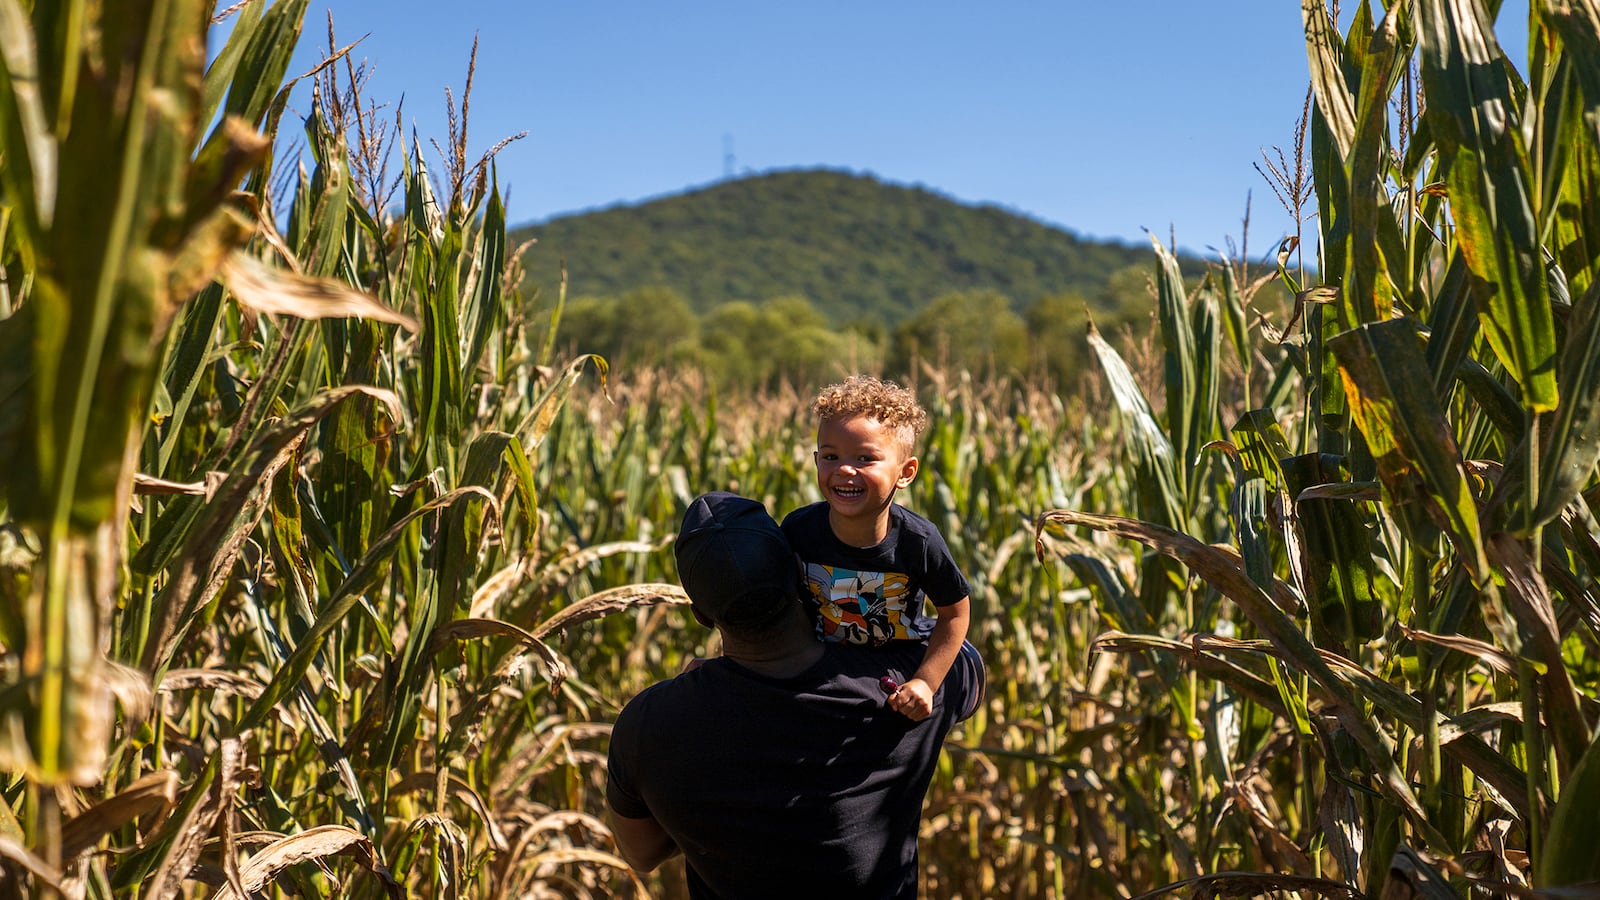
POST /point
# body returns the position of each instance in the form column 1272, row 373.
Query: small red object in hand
column 888, row 684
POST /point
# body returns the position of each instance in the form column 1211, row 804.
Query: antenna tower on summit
column 727, row 156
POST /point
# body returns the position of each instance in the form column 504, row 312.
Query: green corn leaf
column 330, row 199
column 1368, row 293
column 1473, row 117
column 484, row 313
column 1452, row 325
column 1570, row 221
column 1387, row 383
column 1508, row 783
column 1325, row 54
column 1337, row 557
column 1572, row 437
column 225, row 64
column 1262, row 446
column 1161, row 496
column 214, row 536
column 1234, row 322
column 1180, row 359
column 1567, row 857
column 1250, row 502
column 1227, row 576
column 27, row 139
column 367, row 571
column 261, row 65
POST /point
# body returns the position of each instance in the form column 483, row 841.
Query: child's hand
column 693, row 663
column 914, row 700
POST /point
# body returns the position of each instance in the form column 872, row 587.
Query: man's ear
column 908, row 471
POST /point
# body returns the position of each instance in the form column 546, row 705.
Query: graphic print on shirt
column 864, row 607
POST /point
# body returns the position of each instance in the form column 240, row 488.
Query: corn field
column 320, row 574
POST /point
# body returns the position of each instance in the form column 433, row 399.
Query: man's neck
column 791, row 650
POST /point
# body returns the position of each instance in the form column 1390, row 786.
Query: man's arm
column 643, row 843
column 914, row 699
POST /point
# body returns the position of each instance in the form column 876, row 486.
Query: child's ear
column 908, row 471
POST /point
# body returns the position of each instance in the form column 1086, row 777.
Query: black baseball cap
column 735, row 563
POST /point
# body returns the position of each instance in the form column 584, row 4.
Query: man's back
column 805, row 786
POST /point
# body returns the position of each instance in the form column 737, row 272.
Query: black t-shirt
column 800, row 787
column 868, row 595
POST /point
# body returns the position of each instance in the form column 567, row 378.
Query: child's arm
column 914, row 699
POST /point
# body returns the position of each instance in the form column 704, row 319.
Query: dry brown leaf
column 313, row 843
column 280, row 291
column 40, row 869
column 213, row 679
column 460, row 790
column 155, row 792
column 614, row 600
column 496, row 586
column 468, row 629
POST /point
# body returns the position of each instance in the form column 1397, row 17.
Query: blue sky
column 1105, row 118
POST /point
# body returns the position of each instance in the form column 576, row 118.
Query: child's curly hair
column 890, row 404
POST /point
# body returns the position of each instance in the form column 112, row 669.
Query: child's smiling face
column 860, row 464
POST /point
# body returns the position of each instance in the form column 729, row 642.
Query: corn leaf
column 1386, row 380
column 1473, row 117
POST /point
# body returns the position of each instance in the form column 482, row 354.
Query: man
column 776, row 769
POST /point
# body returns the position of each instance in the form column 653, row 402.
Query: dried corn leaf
column 314, row 843
column 154, row 793
column 614, row 600
column 269, row 290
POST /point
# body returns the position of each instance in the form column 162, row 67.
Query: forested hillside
column 857, row 248
column 805, row 273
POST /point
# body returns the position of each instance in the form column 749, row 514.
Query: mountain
column 859, row 249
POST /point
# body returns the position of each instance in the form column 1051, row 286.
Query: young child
column 869, row 561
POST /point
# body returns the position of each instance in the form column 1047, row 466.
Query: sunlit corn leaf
column 1489, row 654
column 1234, row 323
column 1572, row 438
column 154, row 793
column 542, row 414
column 609, row 601
column 259, row 66
column 1325, row 53
column 1387, row 382
column 556, row 669
column 1228, row 577
column 318, row 843
column 484, row 313
column 1368, row 294
column 367, row 571
column 1261, row 446
column 26, row 134
column 1473, row 117
column 271, row 290
column 221, row 529
column 1572, row 220
column 1180, row 360
column 1568, row 856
